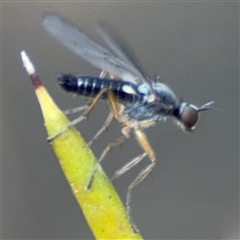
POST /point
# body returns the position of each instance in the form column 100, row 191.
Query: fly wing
column 77, row 42
column 120, row 49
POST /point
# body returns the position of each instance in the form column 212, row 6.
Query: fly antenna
column 206, row 106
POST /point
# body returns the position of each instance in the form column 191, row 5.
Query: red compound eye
column 189, row 117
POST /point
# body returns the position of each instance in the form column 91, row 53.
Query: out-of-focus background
column 193, row 192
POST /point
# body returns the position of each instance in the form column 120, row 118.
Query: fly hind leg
column 75, row 110
column 87, row 108
column 114, row 113
column 105, row 151
column 79, row 119
column 102, row 129
column 81, row 108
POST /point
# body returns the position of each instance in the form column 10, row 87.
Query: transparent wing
column 81, row 45
column 120, row 49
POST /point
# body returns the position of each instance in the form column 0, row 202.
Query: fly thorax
column 164, row 92
column 144, row 90
column 166, row 100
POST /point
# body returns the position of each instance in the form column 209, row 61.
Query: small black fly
column 136, row 101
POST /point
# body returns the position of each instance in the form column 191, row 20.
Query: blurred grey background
column 193, row 192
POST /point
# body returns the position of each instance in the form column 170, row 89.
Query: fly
column 136, row 101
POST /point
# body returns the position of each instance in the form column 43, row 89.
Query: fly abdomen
column 87, row 86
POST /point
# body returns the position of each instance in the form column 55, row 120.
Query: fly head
column 187, row 115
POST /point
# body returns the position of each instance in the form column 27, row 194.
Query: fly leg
column 135, row 182
column 107, row 122
column 77, row 109
column 112, row 114
column 102, row 129
column 91, row 104
column 128, row 166
column 105, row 151
column 81, row 108
column 87, row 109
column 144, row 143
column 109, row 119
column 115, row 108
column 79, row 119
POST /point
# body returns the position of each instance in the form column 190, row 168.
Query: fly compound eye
column 189, row 117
